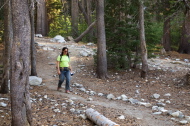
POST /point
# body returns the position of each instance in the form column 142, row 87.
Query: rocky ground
column 162, row 99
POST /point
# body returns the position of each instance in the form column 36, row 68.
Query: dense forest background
column 166, row 25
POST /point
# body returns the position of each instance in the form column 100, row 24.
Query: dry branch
column 99, row 119
column 85, row 32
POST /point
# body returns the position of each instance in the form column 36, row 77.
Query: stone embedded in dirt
column 157, row 113
column 2, row 104
column 156, row 96
column 100, row 94
column 160, row 104
column 123, row 97
column 110, row 96
column 178, row 114
column 121, row 117
column 168, row 102
column 83, row 116
column 89, row 99
column 145, row 104
column 183, row 122
column 167, row 95
column 133, row 101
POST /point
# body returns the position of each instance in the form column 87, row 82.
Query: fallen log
column 99, row 119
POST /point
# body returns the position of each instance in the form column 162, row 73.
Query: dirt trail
column 48, row 74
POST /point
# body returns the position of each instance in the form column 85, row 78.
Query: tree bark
column 142, row 41
column 32, row 49
column 20, row 97
column 184, row 46
column 74, row 16
column 85, row 32
column 99, row 119
column 101, row 41
column 41, row 18
column 8, row 35
column 166, row 30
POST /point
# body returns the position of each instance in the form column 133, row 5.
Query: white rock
column 33, row 80
column 110, row 96
column 83, row 116
column 59, row 38
column 175, row 114
column 89, row 99
column 121, row 117
column 145, row 104
column 168, row 102
column 2, row 104
column 123, row 97
column 56, row 110
column 38, row 35
column 167, row 95
column 157, row 113
column 156, row 96
column 183, row 122
column 100, row 94
column 187, row 118
column 72, row 110
column 45, row 96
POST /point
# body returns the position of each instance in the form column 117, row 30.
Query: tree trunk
column 99, row 119
column 8, row 35
column 184, row 46
column 41, row 18
column 89, row 14
column 85, row 32
column 166, row 35
column 20, row 97
column 74, row 16
column 166, row 30
column 32, row 49
column 142, row 41
column 101, row 41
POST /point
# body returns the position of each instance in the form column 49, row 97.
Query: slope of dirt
column 166, row 75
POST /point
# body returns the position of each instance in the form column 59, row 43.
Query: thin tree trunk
column 74, row 16
column 101, row 41
column 83, row 12
column 20, row 96
column 89, row 14
column 41, row 23
column 143, row 42
column 33, row 49
column 184, row 46
column 166, row 29
column 8, row 35
column 85, row 32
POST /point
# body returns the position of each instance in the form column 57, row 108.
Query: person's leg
column 68, row 79
column 61, row 79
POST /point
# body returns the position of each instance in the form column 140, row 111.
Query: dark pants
column 65, row 74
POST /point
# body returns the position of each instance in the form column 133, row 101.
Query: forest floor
column 50, row 107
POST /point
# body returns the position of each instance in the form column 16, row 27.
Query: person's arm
column 58, row 68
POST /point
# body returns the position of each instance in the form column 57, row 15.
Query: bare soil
column 126, row 82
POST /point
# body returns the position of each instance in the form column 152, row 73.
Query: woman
column 64, row 69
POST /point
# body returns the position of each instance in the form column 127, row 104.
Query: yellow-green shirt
column 64, row 61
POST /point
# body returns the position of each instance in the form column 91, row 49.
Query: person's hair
column 63, row 49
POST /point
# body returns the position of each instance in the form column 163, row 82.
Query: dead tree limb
column 99, row 119
column 83, row 12
column 85, row 32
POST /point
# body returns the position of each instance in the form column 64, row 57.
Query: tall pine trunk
column 142, row 41
column 8, row 35
column 32, row 47
column 19, row 89
column 101, row 41
column 184, row 46
column 74, row 17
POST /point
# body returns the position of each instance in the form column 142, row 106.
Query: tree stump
column 99, row 119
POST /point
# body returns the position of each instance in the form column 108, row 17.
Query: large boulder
column 33, row 80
